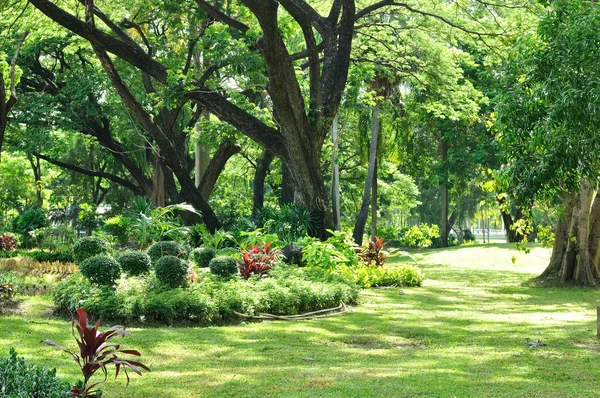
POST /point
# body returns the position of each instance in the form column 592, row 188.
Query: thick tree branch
column 216, row 166
column 221, row 16
column 124, row 50
column 111, row 177
column 7, row 105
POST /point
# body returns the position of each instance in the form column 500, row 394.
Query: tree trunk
column 335, row 176
column 594, row 238
column 258, row 185
column 444, row 192
column 571, row 258
column 374, row 205
column 202, row 155
column 37, row 176
column 361, row 220
column 287, row 185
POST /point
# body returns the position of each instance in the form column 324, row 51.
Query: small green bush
column 101, row 270
column 88, row 246
column 134, row 262
column 64, row 256
column 202, row 256
column 180, row 304
column 366, row 277
column 223, row 266
column 164, row 248
column 419, row 236
column 170, row 271
column 19, row 379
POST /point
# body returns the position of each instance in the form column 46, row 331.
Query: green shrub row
column 209, row 300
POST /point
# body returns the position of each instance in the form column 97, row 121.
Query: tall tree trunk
column 287, row 185
column 258, row 185
column 561, row 234
column 34, row 161
column 361, row 220
column 444, row 191
column 202, row 154
column 583, row 272
column 335, row 175
column 374, row 204
column 594, row 238
column 158, row 191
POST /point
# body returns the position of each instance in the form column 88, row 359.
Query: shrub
column 366, row 277
column 468, row 235
column 164, row 248
column 336, row 251
column 180, row 304
column 119, row 227
column 32, row 219
column 170, row 271
column 7, row 242
column 374, row 254
column 257, row 260
column 88, row 246
column 21, row 379
column 64, row 256
column 202, row 256
column 7, row 286
column 101, row 270
column 134, row 262
column 420, row 236
column 223, row 266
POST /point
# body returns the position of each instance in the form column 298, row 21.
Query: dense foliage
column 88, row 246
column 164, row 248
column 170, row 271
column 202, row 256
column 223, row 266
column 134, row 262
column 20, row 379
column 101, row 270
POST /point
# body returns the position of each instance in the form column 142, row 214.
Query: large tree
column 302, row 113
column 549, row 123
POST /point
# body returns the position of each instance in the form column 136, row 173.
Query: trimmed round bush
column 134, row 262
column 170, row 271
column 223, row 266
column 101, row 270
column 202, row 256
column 164, row 248
column 87, row 247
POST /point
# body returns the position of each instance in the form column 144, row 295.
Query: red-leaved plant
column 257, row 260
column 374, row 254
column 7, row 242
column 95, row 352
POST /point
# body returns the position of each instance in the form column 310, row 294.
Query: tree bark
column 258, row 185
column 361, row 220
column 594, row 237
column 335, row 175
column 444, row 192
column 374, row 204
column 287, row 185
column 571, row 258
column 215, row 166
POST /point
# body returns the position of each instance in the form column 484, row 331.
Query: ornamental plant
column 257, row 260
column 97, row 353
column 7, row 242
column 373, row 254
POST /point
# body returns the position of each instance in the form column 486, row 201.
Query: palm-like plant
column 96, row 352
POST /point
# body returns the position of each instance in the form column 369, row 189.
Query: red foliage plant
column 7, row 242
column 374, row 254
column 257, row 260
column 96, row 352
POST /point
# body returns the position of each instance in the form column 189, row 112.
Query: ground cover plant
column 464, row 334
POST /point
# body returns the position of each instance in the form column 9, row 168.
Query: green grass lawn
column 464, row 334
